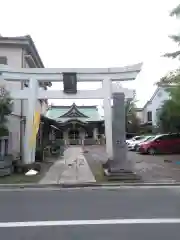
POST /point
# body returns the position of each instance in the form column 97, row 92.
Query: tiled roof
column 90, row 113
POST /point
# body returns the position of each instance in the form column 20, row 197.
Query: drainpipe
column 21, row 111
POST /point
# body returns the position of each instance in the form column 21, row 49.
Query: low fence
column 90, row 141
column 86, row 141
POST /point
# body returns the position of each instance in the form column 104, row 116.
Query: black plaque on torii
column 70, row 83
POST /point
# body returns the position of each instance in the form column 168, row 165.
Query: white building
column 139, row 114
column 151, row 108
column 19, row 52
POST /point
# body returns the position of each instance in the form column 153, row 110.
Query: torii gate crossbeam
column 32, row 93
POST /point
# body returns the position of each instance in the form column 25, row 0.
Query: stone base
column 114, row 172
column 23, row 168
column 6, row 167
column 6, row 171
column 121, row 176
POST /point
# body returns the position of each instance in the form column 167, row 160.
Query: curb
column 84, row 185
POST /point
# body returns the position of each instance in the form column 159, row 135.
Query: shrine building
column 78, row 124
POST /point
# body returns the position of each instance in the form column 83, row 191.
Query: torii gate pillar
column 107, row 89
column 29, row 151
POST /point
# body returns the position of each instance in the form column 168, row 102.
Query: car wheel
column 151, row 151
column 136, row 148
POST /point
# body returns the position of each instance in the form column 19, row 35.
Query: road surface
column 126, row 213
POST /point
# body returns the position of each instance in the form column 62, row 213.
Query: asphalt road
column 35, row 208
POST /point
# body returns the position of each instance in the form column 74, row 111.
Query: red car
column 164, row 143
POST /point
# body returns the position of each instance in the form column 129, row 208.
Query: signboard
column 70, row 83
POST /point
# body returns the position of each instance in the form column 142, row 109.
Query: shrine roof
column 81, row 113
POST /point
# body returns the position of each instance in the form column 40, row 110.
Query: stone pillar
column 53, row 135
column 95, row 133
column 120, row 168
column 81, row 135
column 29, row 151
column 65, row 137
column 108, row 116
column 119, row 131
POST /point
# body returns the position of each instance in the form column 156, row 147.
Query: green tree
column 132, row 121
column 175, row 38
column 175, row 11
column 5, row 110
column 169, row 115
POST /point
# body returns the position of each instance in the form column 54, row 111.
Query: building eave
column 69, row 109
column 69, row 106
column 155, row 93
column 73, row 120
column 152, row 97
column 50, row 121
column 76, row 112
column 25, row 42
column 32, row 57
column 138, row 109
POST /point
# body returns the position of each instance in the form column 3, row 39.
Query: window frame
column 149, row 119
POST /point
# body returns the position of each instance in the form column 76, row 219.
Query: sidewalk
column 73, row 168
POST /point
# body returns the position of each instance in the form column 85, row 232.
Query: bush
column 39, row 157
column 5, row 110
column 3, row 132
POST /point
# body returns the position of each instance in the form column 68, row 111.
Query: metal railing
column 86, row 141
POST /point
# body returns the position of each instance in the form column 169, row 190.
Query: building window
column 3, row 60
column 149, row 116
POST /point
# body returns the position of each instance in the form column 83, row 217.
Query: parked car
column 136, row 138
column 134, row 144
column 163, row 143
column 137, row 146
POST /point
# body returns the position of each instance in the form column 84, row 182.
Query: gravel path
column 160, row 168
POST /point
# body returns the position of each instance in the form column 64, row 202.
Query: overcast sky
column 97, row 33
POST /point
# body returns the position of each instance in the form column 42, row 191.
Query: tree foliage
column 175, row 11
column 175, row 38
column 169, row 115
column 5, row 110
column 132, row 121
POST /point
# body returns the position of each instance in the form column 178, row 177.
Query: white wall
column 154, row 105
column 15, row 58
column 139, row 114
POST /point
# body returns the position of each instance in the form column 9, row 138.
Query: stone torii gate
column 36, row 75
